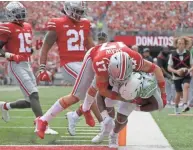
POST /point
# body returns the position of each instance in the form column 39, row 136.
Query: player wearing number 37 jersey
column 16, row 38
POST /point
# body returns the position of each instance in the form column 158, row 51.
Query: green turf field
column 19, row 131
column 177, row 129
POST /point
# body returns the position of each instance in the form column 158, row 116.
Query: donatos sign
column 146, row 40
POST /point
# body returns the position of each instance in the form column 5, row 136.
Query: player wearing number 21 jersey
column 72, row 35
column 16, row 38
column 97, row 62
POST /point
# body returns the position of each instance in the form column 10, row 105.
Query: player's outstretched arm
column 49, row 40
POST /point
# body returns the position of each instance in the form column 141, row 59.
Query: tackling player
column 16, row 37
column 101, row 61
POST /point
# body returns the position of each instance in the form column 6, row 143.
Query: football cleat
column 106, row 127
column 88, row 117
column 72, row 121
column 4, row 112
column 41, row 127
column 50, row 131
column 113, row 140
column 98, row 138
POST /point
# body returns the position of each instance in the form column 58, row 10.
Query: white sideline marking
column 74, row 137
column 80, row 133
column 144, row 134
column 78, row 128
column 76, row 141
column 15, row 88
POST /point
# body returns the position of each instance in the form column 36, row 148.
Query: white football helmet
column 132, row 87
column 16, row 11
column 75, row 9
column 120, row 66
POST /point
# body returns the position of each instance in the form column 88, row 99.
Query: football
column 131, row 89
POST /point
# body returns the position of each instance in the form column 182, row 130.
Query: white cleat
column 113, row 141
column 106, row 127
column 5, row 113
column 50, row 131
column 98, row 138
column 72, row 121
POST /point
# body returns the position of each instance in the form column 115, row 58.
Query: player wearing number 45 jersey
column 72, row 35
column 16, row 37
column 101, row 61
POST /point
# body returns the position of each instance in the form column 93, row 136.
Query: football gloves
column 43, row 74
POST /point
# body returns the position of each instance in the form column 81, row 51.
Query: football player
column 141, row 88
column 16, row 37
column 72, row 121
column 100, row 63
column 73, row 37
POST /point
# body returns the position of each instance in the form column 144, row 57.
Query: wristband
column 161, row 84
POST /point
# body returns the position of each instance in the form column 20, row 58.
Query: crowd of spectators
column 119, row 16
column 164, row 15
column 128, row 16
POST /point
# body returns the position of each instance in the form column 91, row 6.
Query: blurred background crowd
column 164, row 18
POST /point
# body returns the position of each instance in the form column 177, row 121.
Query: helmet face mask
column 120, row 67
column 16, row 12
column 75, row 9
